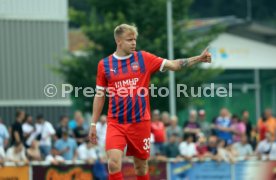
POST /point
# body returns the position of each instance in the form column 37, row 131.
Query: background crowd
column 227, row 137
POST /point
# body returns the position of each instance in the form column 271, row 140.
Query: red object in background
column 262, row 131
column 158, row 130
column 201, row 150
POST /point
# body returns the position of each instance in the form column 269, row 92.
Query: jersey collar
column 122, row 57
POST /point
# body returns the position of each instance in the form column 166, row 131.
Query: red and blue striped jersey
column 126, row 80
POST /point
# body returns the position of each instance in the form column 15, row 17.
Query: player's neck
column 120, row 53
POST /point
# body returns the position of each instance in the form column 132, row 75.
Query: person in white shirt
column 44, row 131
column 16, row 154
column 54, row 157
column 187, row 148
column 101, row 131
column 90, row 153
column 28, row 130
column 266, row 149
column 243, row 148
column 4, row 135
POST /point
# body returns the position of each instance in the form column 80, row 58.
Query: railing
column 207, row 170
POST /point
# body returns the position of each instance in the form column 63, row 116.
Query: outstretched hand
column 205, row 56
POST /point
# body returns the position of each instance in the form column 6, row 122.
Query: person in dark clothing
column 63, row 126
column 212, row 145
column 170, row 149
column 192, row 126
column 16, row 129
column 80, row 132
column 246, row 121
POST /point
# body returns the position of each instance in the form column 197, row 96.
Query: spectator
column 222, row 126
column 254, row 137
column 17, row 132
column 212, row 147
column 158, row 131
column 28, row 130
column 54, row 157
column 171, row 148
column 191, row 126
column 73, row 123
column 87, row 120
column 174, row 128
column 165, row 118
column 63, row 126
column 243, row 148
column 245, row 119
column 33, row 152
column 101, row 131
column 80, row 132
column 16, row 154
column 44, row 131
column 266, row 149
column 205, row 126
column 90, row 153
column 262, row 128
column 202, row 148
column 266, row 124
column 4, row 135
column 187, row 148
column 66, row 147
column 238, row 128
column 224, row 153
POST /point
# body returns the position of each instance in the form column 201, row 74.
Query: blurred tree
column 98, row 19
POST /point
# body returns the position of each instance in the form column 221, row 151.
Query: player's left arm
column 178, row 64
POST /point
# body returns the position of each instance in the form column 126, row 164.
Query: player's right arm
column 178, row 64
column 99, row 100
column 98, row 104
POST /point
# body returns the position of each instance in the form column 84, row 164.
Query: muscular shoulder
column 145, row 54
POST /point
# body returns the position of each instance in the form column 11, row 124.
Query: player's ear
column 118, row 40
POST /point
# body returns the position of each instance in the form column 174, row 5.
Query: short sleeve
column 51, row 129
column 154, row 63
column 101, row 82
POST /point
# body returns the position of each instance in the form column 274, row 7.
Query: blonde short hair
column 119, row 30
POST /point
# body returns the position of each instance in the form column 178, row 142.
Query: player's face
column 127, row 42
